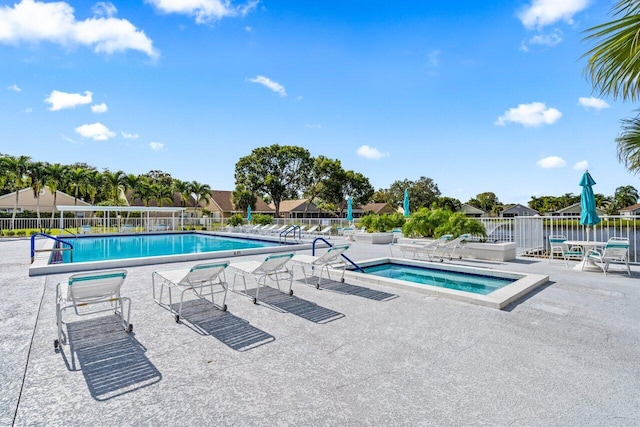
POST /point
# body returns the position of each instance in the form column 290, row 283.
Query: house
column 377, row 208
column 518, row 210
column 27, row 202
column 632, row 210
column 221, row 205
column 575, row 210
column 300, row 208
column 471, row 211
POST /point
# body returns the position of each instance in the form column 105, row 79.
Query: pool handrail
column 313, row 252
column 288, row 230
column 33, row 245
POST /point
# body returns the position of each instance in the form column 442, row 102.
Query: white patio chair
column 197, row 279
column 331, row 259
column 417, row 249
column 556, row 246
column 96, row 287
column 273, row 268
column 449, row 248
column 615, row 251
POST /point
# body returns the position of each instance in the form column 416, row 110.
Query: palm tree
column 77, row 178
column 143, row 192
column 162, row 194
column 16, row 169
column 243, row 198
column 625, row 196
column 614, row 69
column 94, row 182
column 200, row 192
column 184, row 188
column 55, row 179
column 115, row 184
column 37, row 175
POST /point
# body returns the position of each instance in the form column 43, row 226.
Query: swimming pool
column 109, row 251
column 475, row 283
column 139, row 246
column 482, row 286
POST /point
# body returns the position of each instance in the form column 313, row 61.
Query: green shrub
column 21, row 233
column 261, row 219
column 436, row 222
column 235, row 220
column 374, row 223
column 9, row 233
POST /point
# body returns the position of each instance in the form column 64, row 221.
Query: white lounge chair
column 85, row 229
column 449, row 248
column 419, row 249
column 310, row 231
column 325, row 231
column 267, row 228
column 330, row 259
column 615, row 251
column 97, row 287
column 195, row 279
column 272, row 268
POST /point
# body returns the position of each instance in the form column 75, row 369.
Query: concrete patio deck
column 569, row 354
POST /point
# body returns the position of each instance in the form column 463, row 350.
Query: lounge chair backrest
column 557, row 240
column 273, row 263
column 200, row 273
column 312, row 229
column 331, row 255
column 95, row 285
column 325, row 230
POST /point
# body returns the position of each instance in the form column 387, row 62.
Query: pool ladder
column 57, row 248
column 313, row 252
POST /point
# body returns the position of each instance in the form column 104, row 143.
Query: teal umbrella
column 248, row 213
column 588, row 216
column 349, row 209
column 405, row 204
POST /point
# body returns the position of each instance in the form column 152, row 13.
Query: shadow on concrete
column 299, row 307
column 204, row 317
column 526, row 297
column 359, row 291
column 112, row 361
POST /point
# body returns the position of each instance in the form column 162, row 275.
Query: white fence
column 530, row 233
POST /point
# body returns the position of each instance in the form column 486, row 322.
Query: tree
column 281, row 171
column 55, row 179
column 93, row 184
column 485, row 201
column 184, row 188
column 159, row 177
column 16, row 169
column 625, row 196
column 37, row 176
column 422, row 193
column 614, row 69
column 327, row 180
column 200, row 192
column 444, row 202
column 76, row 178
column 115, row 184
column 162, row 194
column 356, row 186
column 243, row 198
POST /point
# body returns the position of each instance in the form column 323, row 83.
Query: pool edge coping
column 499, row 299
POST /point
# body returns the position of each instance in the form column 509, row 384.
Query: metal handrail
column 284, row 233
column 313, row 252
column 33, row 245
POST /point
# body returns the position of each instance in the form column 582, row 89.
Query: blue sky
column 479, row 96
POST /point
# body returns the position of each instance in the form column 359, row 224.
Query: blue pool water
column 139, row 246
column 467, row 282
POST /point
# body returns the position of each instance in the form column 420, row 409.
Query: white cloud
column 541, row 13
column 248, row 29
column 370, row 152
column 434, row 58
column 28, row 110
column 15, row 88
column 127, row 135
column 550, row 39
column 581, row 166
column 34, row 21
column 156, row 146
column 203, row 10
column 316, row 126
column 595, row 103
column 270, row 84
column 99, row 108
column 61, row 100
column 95, row 131
column 551, row 162
column 530, row 115
column 104, row 9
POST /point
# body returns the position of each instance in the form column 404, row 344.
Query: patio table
column 586, row 245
